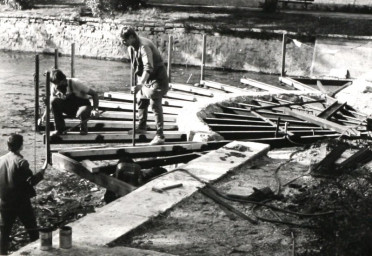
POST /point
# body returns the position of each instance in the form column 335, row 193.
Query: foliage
column 18, row 4
column 101, row 7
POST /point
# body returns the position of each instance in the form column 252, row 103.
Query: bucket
column 46, row 241
column 65, row 237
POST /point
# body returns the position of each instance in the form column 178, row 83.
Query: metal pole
column 36, row 80
column 55, row 58
column 284, row 43
column 133, row 83
column 47, row 122
column 203, row 57
column 170, row 45
column 72, row 60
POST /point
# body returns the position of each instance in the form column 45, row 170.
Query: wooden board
column 123, row 106
column 261, row 85
column 222, row 87
column 120, row 96
column 322, row 122
column 193, row 89
column 64, row 163
column 116, row 125
column 106, row 137
column 137, row 151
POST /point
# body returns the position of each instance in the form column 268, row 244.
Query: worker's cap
column 57, row 76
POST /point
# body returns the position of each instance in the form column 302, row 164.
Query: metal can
column 46, row 241
column 65, row 237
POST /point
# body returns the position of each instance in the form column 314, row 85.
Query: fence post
column 284, row 48
column 36, row 81
column 203, row 58
column 72, row 60
column 47, row 121
column 170, row 45
column 55, row 58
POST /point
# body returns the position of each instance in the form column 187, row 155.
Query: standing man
column 71, row 96
column 152, row 82
column 16, row 189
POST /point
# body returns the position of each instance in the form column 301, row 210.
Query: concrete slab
column 111, row 222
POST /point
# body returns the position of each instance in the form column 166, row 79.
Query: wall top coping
column 170, row 24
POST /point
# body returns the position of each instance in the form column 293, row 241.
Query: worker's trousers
column 72, row 106
column 7, row 218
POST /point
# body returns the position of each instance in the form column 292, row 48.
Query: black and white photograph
column 188, row 127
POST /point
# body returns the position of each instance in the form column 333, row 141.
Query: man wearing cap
column 152, row 82
column 16, row 189
column 71, row 97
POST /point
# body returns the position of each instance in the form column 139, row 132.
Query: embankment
column 235, row 48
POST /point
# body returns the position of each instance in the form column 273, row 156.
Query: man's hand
column 137, row 88
column 95, row 113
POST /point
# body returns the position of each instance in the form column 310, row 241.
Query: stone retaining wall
column 236, row 48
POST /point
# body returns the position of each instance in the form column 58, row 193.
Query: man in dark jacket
column 16, row 189
column 152, row 82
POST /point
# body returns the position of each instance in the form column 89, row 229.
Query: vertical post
column 56, row 58
column 133, row 83
column 36, row 80
column 284, row 48
column 72, row 60
column 47, row 122
column 170, row 45
column 277, row 127
column 203, row 57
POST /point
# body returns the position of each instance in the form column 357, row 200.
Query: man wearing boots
column 71, row 97
column 16, row 189
column 152, row 82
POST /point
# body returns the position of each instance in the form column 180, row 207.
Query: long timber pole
column 284, row 48
column 203, row 58
column 72, row 60
column 170, row 46
column 47, row 122
column 36, row 80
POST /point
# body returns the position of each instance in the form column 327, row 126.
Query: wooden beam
column 90, row 166
column 116, row 125
column 129, row 116
column 193, row 89
column 105, row 137
column 138, row 151
column 322, row 122
column 333, row 94
column 328, row 161
column 64, row 163
column 119, row 96
column 331, row 110
column 277, row 105
column 321, row 87
column 272, row 123
column 261, row 85
column 222, row 87
column 296, row 84
column 124, row 106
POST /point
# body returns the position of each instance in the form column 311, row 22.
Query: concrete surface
column 116, row 219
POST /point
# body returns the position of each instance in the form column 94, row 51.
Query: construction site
column 267, row 147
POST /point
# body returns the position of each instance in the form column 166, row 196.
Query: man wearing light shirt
column 152, row 82
column 71, row 97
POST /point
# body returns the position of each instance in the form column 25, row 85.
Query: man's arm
column 94, row 95
column 26, row 175
column 148, row 66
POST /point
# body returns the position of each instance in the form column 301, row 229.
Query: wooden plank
column 210, row 120
column 123, row 106
column 322, row 122
column 64, row 163
column 321, row 87
column 137, row 151
column 90, row 166
column 296, row 84
column 254, row 118
column 193, row 89
column 155, row 162
column 126, row 97
column 328, row 161
column 235, row 127
column 116, row 125
column 129, row 116
column 261, row 85
column 105, row 137
column 331, row 110
column 333, row 94
column 360, row 158
column 222, row 87
column 249, row 112
column 277, row 105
